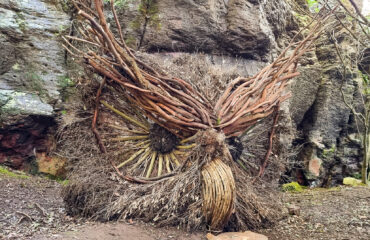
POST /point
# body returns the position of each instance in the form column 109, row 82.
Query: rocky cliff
column 238, row 35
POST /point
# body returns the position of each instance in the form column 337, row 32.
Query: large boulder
column 249, row 29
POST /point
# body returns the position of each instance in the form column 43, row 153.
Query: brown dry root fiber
column 96, row 192
column 257, row 205
column 173, row 201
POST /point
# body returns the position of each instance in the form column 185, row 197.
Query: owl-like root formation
column 212, row 187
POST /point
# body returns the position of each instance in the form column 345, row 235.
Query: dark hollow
column 235, row 147
column 161, row 139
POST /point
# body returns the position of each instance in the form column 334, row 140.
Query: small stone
column 294, row 210
column 248, row 235
column 51, row 165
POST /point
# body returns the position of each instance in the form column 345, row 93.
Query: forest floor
column 31, row 208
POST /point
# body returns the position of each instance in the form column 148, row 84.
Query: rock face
column 249, row 29
column 242, row 34
column 31, row 71
column 331, row 144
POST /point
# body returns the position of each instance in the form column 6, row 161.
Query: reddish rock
column 9, row 141
column 2, row 157
column 16, row 161
column 51, row 165
column 25, row 150
column 314, row 166
column 20, row 142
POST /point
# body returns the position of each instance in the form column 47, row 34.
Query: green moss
column 65, row 85
column 349, row 181
column 292, row 187
column 328, row 152
column 65, row 81
column 6, row 172
column 20, row 20
column 148, row 17
column 66, row 5
column 148, row 11
column 130, row 41
column 35, row 83
column 60, row 180
column 64, row 182
column 303, row 20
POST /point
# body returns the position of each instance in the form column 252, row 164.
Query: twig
column 96, row 113
column 24, row 216
column 359, row 13
column 272, row 134
column 41, row 210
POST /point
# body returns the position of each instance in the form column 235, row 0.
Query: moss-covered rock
column 292, row 187
column 5, row 172
column 350, row 181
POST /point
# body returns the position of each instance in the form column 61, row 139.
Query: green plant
column 65, row 85
column 328, row 151
column 313, row 4
column 6, row 172
column 35, row 82
column 292, row 187
column 365, row 82
column 361, row 38
column 65, row 82
column 357, row 175
column 148, row 17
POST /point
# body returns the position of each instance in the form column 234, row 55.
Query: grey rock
column 15, row 105
column 32, row 58
column 318, row 109
column 304, row 91
column 248, row 29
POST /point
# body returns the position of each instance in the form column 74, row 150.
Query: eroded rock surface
column 248, row 29
column 32, row 69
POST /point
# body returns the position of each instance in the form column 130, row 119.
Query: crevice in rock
column 19, row 143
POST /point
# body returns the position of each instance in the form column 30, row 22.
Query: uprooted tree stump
column 175, row 154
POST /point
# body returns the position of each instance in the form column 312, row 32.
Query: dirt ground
column 31, row 208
